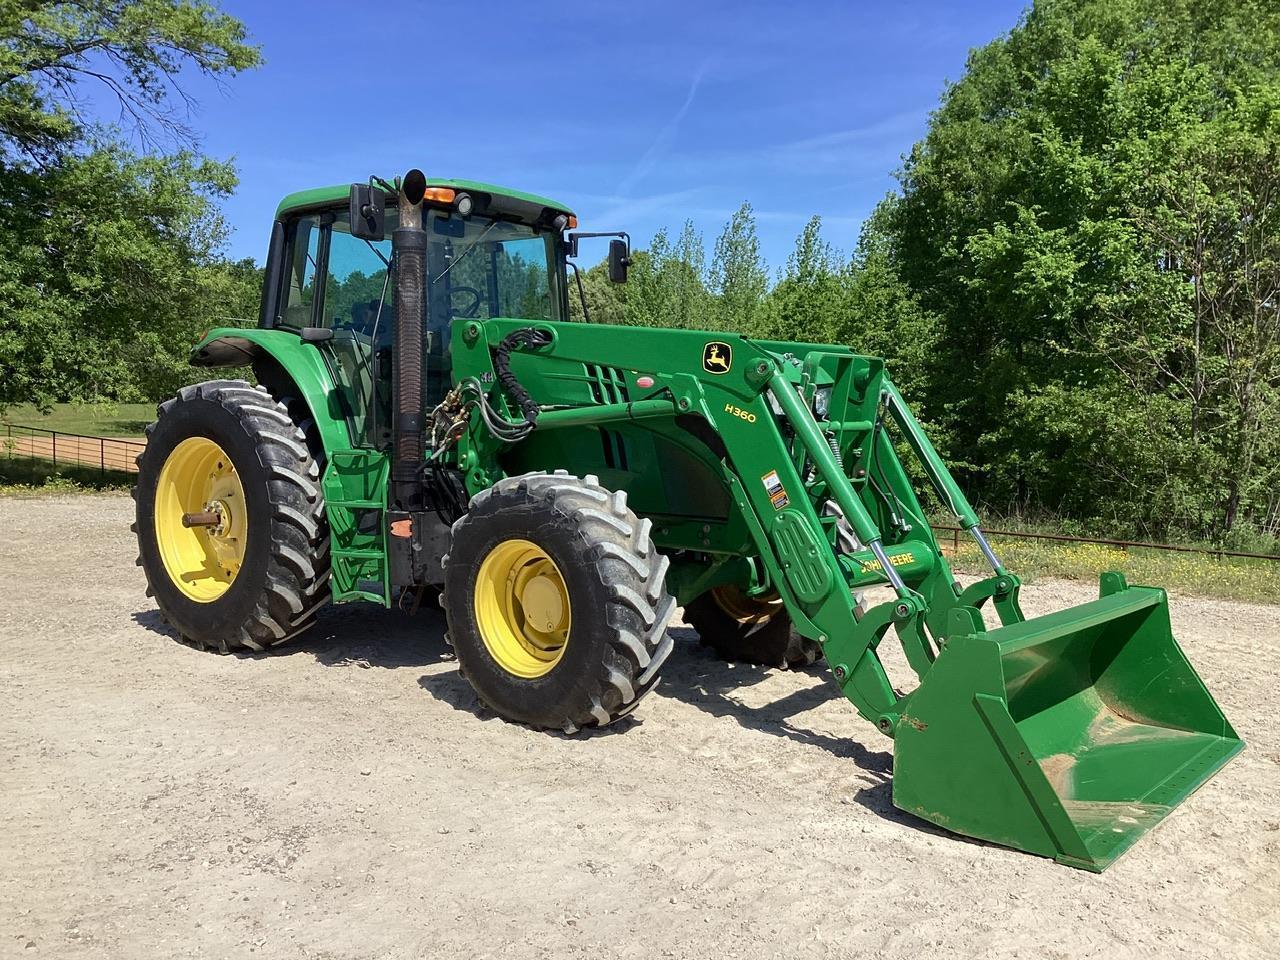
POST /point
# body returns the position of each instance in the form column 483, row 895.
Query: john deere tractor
column 427, row 421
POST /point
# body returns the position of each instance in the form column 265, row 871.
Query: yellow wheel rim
column 746, row 609
column 522, row 608
column 199, row 477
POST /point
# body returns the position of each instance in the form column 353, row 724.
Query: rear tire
column 276, row 511
column 740, row 628
column 601, row 639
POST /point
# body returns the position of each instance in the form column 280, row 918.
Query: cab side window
column 304, row 263
column 356, row 282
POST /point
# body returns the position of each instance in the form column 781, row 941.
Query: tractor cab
column 330, row 278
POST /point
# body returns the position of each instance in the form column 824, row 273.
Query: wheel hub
column 542, row 601
column 522, row 608
column 202, row 559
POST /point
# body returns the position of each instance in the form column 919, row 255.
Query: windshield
column 479, row 268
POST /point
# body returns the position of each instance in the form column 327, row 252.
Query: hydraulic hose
column 525, row 336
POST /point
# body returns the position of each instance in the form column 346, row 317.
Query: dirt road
column 341, row 799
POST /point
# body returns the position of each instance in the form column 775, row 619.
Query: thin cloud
column 663, row 140
column 868, row 144
column 619, row 211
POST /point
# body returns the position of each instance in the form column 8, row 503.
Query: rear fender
column 302, row 363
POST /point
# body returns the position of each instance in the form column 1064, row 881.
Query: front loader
column 427, row 419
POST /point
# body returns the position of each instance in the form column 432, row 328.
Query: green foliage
column 1092, row 218
column 110, row 262
column 810, row 295
column 883, row 317
column 109, row 270
column 738, row 277
column 667, row 286
column 53, row 53
column 606, row 302
column 55, row 485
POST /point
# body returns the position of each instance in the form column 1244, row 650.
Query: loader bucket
column 1069, row 736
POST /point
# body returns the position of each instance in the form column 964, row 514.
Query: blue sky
column 637, row 115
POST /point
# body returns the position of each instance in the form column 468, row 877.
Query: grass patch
column 35, row 476
column 1231, row 578
column 1242, row 538
column 55, row 487
column 91, row 420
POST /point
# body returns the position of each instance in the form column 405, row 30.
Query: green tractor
column 428, row 420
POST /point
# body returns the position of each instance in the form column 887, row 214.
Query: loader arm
column 776, row 467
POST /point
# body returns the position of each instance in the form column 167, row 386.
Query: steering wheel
column 473, row 307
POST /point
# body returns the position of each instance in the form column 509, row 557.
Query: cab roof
column 323, row 196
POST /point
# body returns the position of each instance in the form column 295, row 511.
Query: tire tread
column 298, row 567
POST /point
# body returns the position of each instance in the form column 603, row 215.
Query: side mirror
column 367, row 212
column 619, row 261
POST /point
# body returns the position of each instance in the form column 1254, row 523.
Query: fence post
column 55, row 450
column 102, row 460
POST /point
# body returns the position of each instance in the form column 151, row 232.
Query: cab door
column 341, row 283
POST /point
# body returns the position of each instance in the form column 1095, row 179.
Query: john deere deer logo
column 717, row 357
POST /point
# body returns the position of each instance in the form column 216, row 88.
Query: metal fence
column 956, row 533
column 27, row 451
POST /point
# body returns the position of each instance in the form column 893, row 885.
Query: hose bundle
column 449, row 419
column 525, row 336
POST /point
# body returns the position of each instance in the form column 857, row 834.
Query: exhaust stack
column 409, row 249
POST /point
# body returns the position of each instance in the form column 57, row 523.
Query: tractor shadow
column 363, row 636
column 354, row 635
column 696, row 676
column 360, row 635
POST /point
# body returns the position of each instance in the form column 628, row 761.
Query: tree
column 648, row 294
column 665, row 287
column 1210, row 341
column 880, row 316
column 606, row 301
column 110, row 263
column 810, row 294
column 684, row 273
column 1092, row 216
column 55, row 53
column 108, row 272
column 738, row 276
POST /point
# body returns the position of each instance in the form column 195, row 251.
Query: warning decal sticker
column 777, row 492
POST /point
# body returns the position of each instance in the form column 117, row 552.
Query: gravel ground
column 344, row 798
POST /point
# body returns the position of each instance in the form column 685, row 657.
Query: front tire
column 556, row 601
column 749, row 629
column 257, row 577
